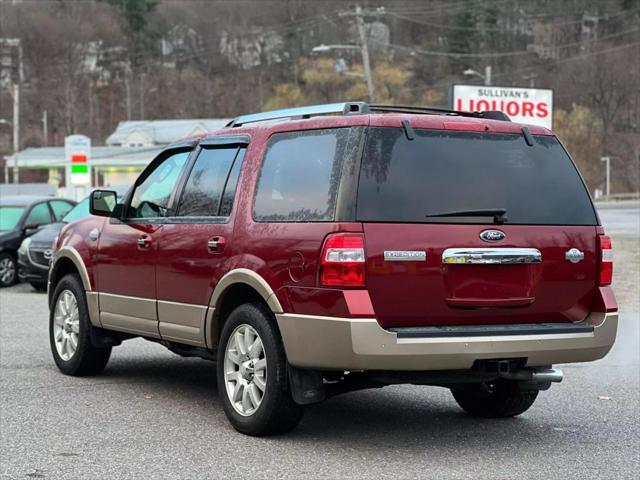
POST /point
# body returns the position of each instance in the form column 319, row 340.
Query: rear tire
column 253, row 383
column 497, row 399
column 70, row 331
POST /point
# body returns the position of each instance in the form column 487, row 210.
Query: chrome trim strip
column 491, row 256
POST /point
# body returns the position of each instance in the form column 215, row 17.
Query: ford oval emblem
column 492, row 235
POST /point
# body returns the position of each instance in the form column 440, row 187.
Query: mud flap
column 101, row 338
column 307, row 386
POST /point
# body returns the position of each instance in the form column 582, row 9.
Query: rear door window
column 300, row 176
column 211, row 185
column 448, row 171
column 39, row 215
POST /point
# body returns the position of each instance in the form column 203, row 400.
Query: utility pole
column 142, row 95
column 127, row 89
column 365, row 52
column 487, row 75
column 16, row 130
column 607, row 188
column 45, row 128
column 15, row 81
column 16, row 121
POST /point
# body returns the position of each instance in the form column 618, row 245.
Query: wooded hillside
column 90, row 64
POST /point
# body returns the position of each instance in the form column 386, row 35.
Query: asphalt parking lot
column 153, row 414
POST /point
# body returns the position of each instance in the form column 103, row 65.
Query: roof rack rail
column 357, row 108
column 489, row 114
column 344, row 108
column 425, row 110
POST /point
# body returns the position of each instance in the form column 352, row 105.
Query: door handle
column 144, row 242
column 216, row 244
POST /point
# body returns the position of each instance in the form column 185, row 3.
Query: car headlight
column 24, row 246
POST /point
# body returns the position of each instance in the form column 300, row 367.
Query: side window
column 39, row 215
column 79, row 211
column 151, row 198
column 60, row 208
column 214, row 169
column 300, row 176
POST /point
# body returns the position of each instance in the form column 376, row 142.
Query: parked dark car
column 326, row 249
column 34, row 253
column 21, row 216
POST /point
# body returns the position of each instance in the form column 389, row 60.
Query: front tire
column 8, row 270
column 252, row 374
column 497, row 399
column 70, row 331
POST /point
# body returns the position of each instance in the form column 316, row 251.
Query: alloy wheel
column 7, row 271
column 245, row 367
column 66, row 325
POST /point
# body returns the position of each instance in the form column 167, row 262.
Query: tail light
column 606, row 259
column 343, row 260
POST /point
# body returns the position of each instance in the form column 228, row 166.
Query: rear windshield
column 440, row 172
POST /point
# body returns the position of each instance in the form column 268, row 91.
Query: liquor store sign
column 523, row 105
column 77, row 150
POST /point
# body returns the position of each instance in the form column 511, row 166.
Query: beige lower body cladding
column 361, row 344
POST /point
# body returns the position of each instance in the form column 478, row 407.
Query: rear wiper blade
column 499, row 214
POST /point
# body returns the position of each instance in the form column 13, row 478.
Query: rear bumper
column 361, row 344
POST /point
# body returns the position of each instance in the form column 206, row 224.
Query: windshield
column 9, row 217
column 81, row 210
column 441, row 174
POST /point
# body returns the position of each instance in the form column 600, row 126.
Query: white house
column 128, row 150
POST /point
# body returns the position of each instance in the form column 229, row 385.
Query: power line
column 441, row 8
column 448, row 82
column 492, row 54
column 492, row 29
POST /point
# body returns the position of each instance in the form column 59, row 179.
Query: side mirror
column 102, row 203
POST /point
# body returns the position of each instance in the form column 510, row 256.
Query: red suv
column 326, row 249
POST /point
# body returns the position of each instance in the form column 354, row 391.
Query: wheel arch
column 68, row 260
column 235, row 288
